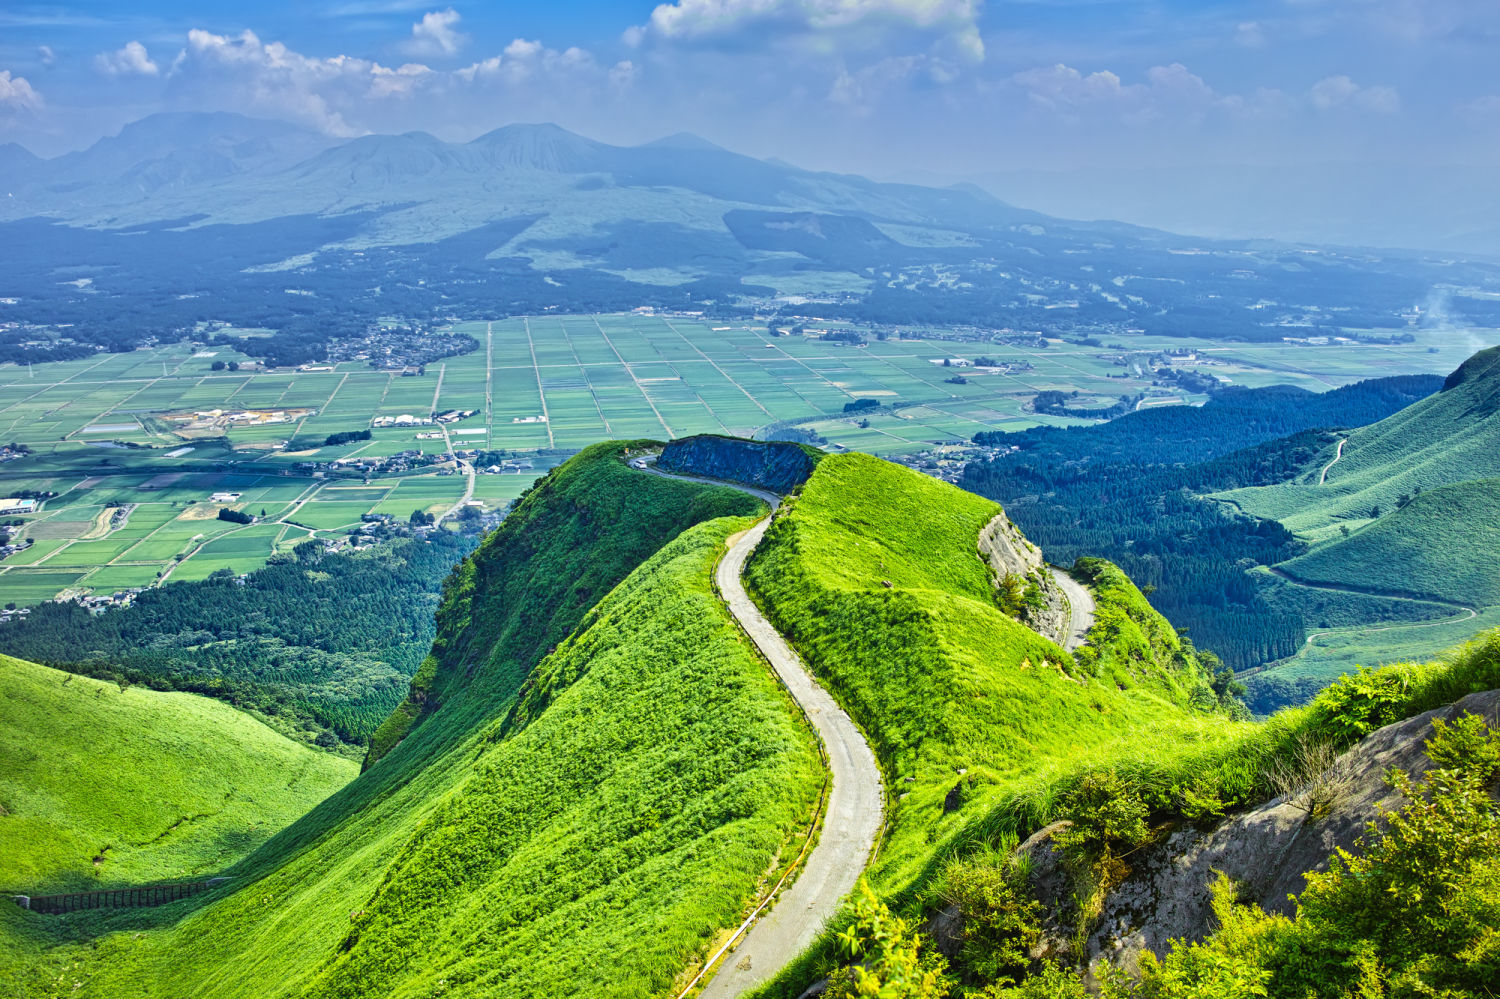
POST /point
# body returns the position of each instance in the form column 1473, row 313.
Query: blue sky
column 881, row 87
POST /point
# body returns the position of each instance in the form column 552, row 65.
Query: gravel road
column 855, row 800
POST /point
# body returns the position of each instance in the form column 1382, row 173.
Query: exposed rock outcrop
column 775, row 465
column 1017, row 564
column 1267, row 850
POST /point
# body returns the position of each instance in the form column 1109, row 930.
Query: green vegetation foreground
column 105, row 786
column 579, row 820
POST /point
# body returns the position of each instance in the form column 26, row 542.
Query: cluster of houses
column 408, row 420
column 402, row 461
column 218, row 419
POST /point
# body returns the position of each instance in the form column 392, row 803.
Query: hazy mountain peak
column 684, row 141
column 539, row 147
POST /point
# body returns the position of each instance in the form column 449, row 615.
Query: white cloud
column 524, row 59
column 1481, row 109
column 1166, row 92
column 437, row 34
column 269, row 78
column 45, row 53
column 1250, row 34
column 131, row 59
column 860, row 21
column 17, row 94
column 1341, row 92
column 1174, row 93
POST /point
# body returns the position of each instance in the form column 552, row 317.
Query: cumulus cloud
column 269, row 78
column 17, row 94
column 345, row 95
column 524, row 59
column 437, row 34
column 1341, row 92
column 1173, row 92
column 732, row 21
column 1165, row 91
column 131, row 59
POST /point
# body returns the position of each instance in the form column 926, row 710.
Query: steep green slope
column 572, row 537
column 103, row 786
column 1443, row 544
column 583, row 826
column 1453, row 436
column 312, row 643
column 874, row 574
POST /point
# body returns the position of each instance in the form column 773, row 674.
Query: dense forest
column 1105, row 490
column 320, row 645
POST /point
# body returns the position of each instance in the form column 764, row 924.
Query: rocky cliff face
column 1028, row 590
column 775, row 465
column 1266, row 850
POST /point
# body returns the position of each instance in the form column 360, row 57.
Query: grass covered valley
column 594, row 777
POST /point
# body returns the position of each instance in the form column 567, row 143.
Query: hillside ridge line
column 855, row 807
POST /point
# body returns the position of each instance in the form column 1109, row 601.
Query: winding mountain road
column 1323, row 478
column 856, row 800
column 1080, row 608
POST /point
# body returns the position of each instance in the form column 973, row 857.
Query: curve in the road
column 856, row 799
column 1336, row 456
column 1080, row 608
column 1470, row 611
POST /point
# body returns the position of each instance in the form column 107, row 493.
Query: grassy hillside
column 583, row 827
column 1444, row 544
column 572, row 537
column 312, row 643
column 958, row 699
column 103, row 786
column 1452, row 436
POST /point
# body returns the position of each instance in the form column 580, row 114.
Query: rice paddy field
column 542, row 388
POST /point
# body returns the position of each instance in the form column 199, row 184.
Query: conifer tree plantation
column 749, row 499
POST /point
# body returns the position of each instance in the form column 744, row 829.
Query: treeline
column 1055, row 403
column 1234, row 418
column 1129, row 491
column 321, row 645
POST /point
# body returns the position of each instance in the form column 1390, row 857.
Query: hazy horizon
column 952, row 89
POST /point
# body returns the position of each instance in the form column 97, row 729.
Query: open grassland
column 874, row 574
column 1450, row 437
column 586, row 834
column 1332, row 653
column 1444, row 544
column 103, row 786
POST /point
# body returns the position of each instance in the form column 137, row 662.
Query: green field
column 104, row 786
column 873, row 577
column 1444, row 544
column 588, row 833
column 577, row 379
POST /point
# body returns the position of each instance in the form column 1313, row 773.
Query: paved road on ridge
column 855, row 801
column 1080, row 608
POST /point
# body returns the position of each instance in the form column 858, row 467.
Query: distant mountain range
column 530, row 217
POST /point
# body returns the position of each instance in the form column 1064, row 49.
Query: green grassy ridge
column 604, row 856
column 571, row 538
column 161, row 786
column 939, row 678
column 648, row 897
column 1452, row 436
column 1444, row 544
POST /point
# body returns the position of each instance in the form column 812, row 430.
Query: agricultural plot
column 540, row 387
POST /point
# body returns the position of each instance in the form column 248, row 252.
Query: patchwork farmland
column 122, row 442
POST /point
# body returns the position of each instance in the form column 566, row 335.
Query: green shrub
column 1360, row 702
column 889, row 960
column 1001, row 921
